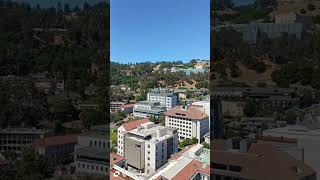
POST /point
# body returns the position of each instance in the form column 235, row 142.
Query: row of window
column 96, row 168
column 184, row 120
column 179, row 125
column 99, row 144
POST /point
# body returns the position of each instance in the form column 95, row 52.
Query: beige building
column 285, row 18
column 190, row 122
column 232, row 108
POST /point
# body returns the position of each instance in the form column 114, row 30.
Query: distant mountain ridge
column 53, row 3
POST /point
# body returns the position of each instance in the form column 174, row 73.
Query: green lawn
column 113, row 136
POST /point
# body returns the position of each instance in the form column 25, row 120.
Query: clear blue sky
column 156, row 30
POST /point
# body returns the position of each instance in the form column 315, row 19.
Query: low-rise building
column 232, row 108
column 14, row 139
column 91, row 152
column 127, row 108
column 247, row 159
column 115, row 106
column 56, row 148
column 148, row 109
column 190, row 122
column 191, row 163
column 148, row 147
column 254, row 124
column 165, row 97
column 307, row 134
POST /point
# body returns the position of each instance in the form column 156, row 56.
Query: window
column 90, row 143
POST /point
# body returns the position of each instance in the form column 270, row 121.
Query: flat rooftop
column 98, row 153
column 25, row 131
column 180, row 165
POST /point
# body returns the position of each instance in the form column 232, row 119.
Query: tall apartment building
column 91, row 154
column 167, row 98
column 148, row 108
column 122, row 132
column 14, row 139
column 190, row 122
column 148, row 147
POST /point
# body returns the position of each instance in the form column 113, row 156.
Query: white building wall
column 121, row 141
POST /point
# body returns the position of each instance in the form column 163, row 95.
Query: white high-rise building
column 167, row 98
column 190, row 122
column 148, row 147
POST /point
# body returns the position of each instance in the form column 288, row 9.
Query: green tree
column 260, row 67
column 311, row 7
column 92, row 117
column 250, row 108
column 206, row 145
column 31, row 165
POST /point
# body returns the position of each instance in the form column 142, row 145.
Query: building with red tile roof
column 56, row 147
column 190, row 122
column 246, row 159
column 190, row 163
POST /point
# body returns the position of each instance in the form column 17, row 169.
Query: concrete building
column 56, row 148
column 190, row 71
column 232, row 108
column 122, row 132
column 14, row 139
column 254, row 125
column 250, row 159
column 165, row 97
column 307, row 134
column 127, row 108
column 148, row 147
column 148, row 109
column 285, row 18
column 266, row 98
column 91, row 154
column 149, row 154
column 190, row 122
column 115, row 106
